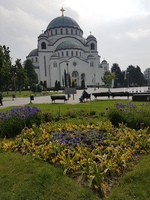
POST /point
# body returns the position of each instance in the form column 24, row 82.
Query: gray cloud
column 124, row 40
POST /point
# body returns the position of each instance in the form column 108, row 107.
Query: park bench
column 141, row 97
column 58, row 97
column 101, row 94
column 121, row 94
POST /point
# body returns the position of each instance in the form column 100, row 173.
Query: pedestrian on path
column 1, row 99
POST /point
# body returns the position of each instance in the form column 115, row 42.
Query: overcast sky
column 121, row 27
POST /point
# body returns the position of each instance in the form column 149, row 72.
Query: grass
column 23, row 178
column 25, row 93
column 134, row 184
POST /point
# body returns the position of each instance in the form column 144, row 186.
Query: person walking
column 1, row 99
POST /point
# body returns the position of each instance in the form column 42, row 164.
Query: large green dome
column 67, row 45
column 63, row 21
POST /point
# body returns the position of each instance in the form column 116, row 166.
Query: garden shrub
column 11, row 123
column 130, row 114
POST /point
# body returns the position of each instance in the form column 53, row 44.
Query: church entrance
column 75, row 78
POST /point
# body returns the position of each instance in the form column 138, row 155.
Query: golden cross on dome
column 62, row 10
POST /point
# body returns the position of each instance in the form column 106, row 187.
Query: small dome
column 68, row 45
column 33, row 53
column 91, row 37
column 104, row 61
column 42, row 35
column 63, row 21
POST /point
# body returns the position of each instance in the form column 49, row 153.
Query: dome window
column 66, row 53
column 43, row 45
column 61, row 31
column 55, row 31
column 71, row 31
column 92, row 46
column 66, row 31
column 51, row 33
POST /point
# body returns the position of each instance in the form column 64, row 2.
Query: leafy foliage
column 11, row 123
column 93, row 154
column 130, row 114
column 31, row 74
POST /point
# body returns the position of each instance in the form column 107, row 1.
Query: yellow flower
column 96, row 187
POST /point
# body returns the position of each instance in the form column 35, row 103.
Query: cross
column 62, row 10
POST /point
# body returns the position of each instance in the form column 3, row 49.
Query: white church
column 62, row 48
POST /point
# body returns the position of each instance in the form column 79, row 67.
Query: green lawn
column 134, row 184
column 23, row 178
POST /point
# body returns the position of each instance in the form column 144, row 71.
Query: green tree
column 82, row 84
column 31, row 74
column 5, row 67
column 118, row 75
column 20, row 77
column 45, row 85
column 107, row 78
column 134, row 76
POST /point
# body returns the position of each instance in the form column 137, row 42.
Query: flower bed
column 92, row 154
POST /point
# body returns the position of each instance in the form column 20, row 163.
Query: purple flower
column 26, row 128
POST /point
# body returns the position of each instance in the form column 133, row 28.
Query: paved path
column 46, row 99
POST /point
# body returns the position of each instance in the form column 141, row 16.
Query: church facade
column 62, row 49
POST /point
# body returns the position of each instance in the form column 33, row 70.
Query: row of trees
column 19, row 77
column 15, row 76
column 129, row 78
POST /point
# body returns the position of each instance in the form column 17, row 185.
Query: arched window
column 71, row 53
column 82, row 76
column 55, row 64
column 66, row 53
column 91, row 64
column 76, row 53
column 62, row 53
column 71, row 31
column 92, row 46
column 51, row 33
column 43, row 45
column 55, row 31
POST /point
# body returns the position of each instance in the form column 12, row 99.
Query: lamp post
column 128, row 79
column 67, row 63
column 15, row 82
column 148, row 81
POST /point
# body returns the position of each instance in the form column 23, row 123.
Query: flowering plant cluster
column 130, row 114
column 12, row 122
column 93, row 154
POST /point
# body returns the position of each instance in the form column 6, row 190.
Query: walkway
column 46, row 99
